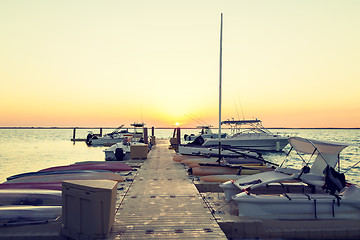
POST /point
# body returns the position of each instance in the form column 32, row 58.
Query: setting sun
column 177, row 124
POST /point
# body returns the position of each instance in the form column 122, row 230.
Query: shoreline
column 336, row 128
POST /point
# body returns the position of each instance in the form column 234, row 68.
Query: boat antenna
column 220, row 76
column 237, row 110
column 196, row 119
column 242, row 110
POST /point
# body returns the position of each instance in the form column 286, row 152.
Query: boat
column 68, row 176
column 339, row 200
column 22, row 214
column 121, row 151
column 213, row 151
column 118, row 135
column 110, row 166
column 204, row 133
column 255, row 137
column 248, row 161
column 36, row 197
column 218, row 169
column 27, row 174
column 31, row 185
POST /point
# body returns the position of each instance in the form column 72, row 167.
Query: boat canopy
column 327, row 153
column 308, row 146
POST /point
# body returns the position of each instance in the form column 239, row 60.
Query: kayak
column 111, row 166
column 179, row 158
column 35, row 197
column 27, row 174
column 198, row 160
column 221, row 170
column 28, row 213
column 220, row 178
column 39, row 185
column 70, row 176
column 191, row 165
column 251, row 161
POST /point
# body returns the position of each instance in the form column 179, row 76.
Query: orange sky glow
column 103, row 64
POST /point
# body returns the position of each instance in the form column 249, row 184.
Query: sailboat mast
column 220, row 83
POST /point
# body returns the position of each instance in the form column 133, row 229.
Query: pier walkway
column 163, row 203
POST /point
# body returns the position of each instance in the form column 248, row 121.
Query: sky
column 87, row 63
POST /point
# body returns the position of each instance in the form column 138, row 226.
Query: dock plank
column 163, row 203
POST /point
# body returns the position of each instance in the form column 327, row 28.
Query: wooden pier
column 163, row 203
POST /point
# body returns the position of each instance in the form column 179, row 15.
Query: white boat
column 36, row 197
column 204, row 133
column 116, row 136
column 344, row 205
column 314, row 176
column 120, row 151
column 255, row 137
column 13, row 215
column 339, row 201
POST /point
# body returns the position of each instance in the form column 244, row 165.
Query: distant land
column 161, row 128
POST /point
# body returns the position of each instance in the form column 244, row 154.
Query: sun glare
column 177, row 124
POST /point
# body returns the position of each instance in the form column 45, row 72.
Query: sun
column 177, row 124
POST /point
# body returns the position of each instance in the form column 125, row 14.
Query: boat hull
column 218, row 170
column 34, row 197
column 40, row 185
column 261, row 143
column 74, row 176
column 300, row 207
column 110, row 166
column 213, row 151
column 29, row 213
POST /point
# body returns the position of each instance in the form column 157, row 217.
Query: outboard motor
column 198, row 141
column 334, row 181
column 89, row 137
column 119, row 154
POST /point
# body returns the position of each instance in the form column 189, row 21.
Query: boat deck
column 163, row 203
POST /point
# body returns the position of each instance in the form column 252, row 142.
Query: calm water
column 25, row 150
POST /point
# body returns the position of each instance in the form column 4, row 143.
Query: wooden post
column 178, row 136
column 74, row 133
column 152, row 131
column 100, row 132
column 146, row 138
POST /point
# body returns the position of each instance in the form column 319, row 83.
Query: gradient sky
column 107, row 63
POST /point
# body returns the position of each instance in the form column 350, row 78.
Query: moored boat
column 118, row 135
column 205, row 132
column 214, row 169
column 36, row 197
column 255, row 137
column 111, row 166
column 339, row 201
column 68, row 176
column 31, row 185
column 27, row 174
column 121, row 151
column 26, row 214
